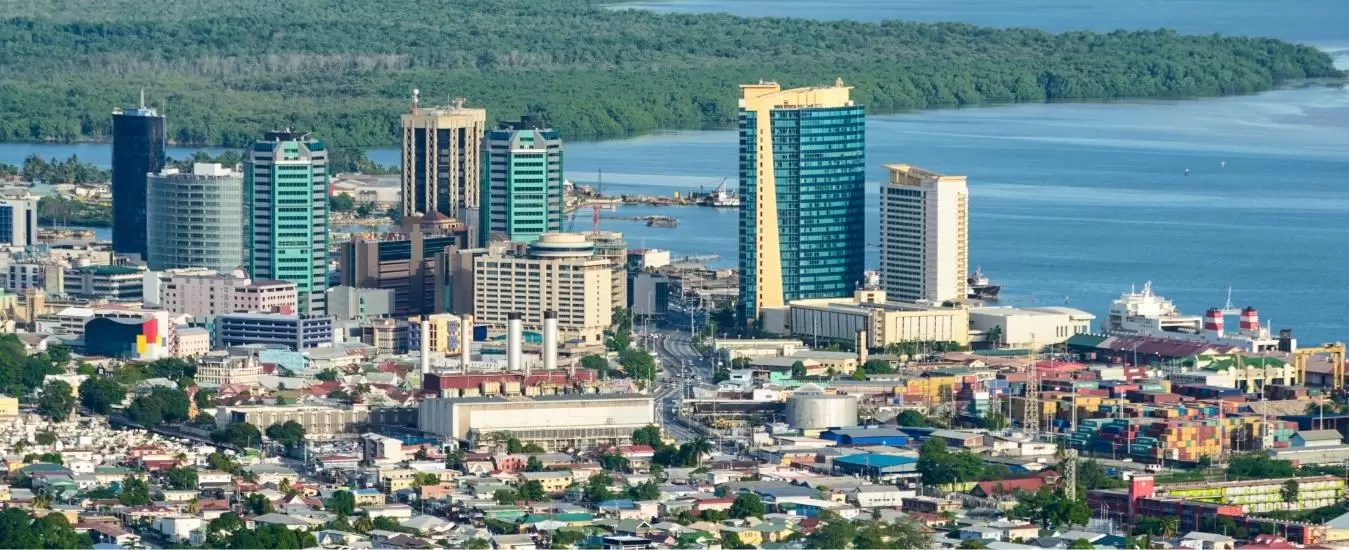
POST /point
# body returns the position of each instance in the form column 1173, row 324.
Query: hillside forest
column 225, row 70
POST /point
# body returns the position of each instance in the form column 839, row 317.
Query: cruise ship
column 1144, row 313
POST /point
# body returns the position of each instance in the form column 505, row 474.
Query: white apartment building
column 205, row 294
column 558, row 272
column 924, row 235
column 219, row 369
column 48, row 276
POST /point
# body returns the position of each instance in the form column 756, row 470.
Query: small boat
column 661, row 221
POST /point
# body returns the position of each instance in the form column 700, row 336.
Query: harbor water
column 1070, row 203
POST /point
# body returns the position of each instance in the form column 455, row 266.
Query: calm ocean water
column 1070, row 202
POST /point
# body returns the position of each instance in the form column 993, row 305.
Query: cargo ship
column 980, row 288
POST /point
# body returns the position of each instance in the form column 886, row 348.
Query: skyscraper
column 440, row 158
column 18, row 223
column 522, row 190
column 286, row 193
column 802, row 187
column 137, row 151
column 197, row 218
column 924, row 235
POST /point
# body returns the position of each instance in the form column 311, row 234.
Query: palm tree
column 698, row 447
column 1170, row 525
column 193, row 507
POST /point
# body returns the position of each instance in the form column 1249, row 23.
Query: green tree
column 648, row 435
column 1289, row 491
column 531, row 491
column 159, row 406
column 181, row 478
column 59, row 354
column 342, row 503
column 238, row 434
column 45, row 437
column 647, row 490
column 99, row 394
column 798, row 370
column 597, row 488
column 972, row 543
column 289, row 433
column 342, row 202
column 834, row 533
column 533, row 464
column 57, row 401
column 134, row 492
column 505, row 496
column 326, row 375
column 256, row 504
column 1081, row 544
column 747, row 505
column 911, row 418
column 877, row 366
column 596, row 363
column 995, row 421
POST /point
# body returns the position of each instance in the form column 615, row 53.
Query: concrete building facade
column 1029, row 326
column 219, row 369
column 296, row 332
column 883, row 322
column 803, row 194
column 202, row 295
column 521, row 181
column 286, row 190
column 924, row 235
column 113, row 282
column 198, row 218
column 347, row 303
column 408, row 264
column 555, row 422
column 558, row 272
column 18, row 222
column 441, row 148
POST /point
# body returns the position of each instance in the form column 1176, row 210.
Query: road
column 675, row 349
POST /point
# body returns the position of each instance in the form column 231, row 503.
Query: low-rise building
column 221, row 368
column 319, row 421
column 296, row 332
column 113, row 282
column 1029, row 327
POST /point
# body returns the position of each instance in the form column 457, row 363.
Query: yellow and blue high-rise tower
column 803, row 194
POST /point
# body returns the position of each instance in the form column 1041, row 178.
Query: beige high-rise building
column 924, row 235
column 558, row 272
column 441, row 148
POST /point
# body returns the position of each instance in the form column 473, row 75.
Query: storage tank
column 817, row 411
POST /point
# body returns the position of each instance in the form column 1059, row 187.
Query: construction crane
column 1336, row 352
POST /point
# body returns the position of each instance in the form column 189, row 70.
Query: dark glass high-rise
column 137, row 150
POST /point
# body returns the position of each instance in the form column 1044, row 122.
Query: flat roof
column 876, row 460
column 547, row 398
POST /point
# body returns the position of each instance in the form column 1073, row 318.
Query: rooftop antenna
column 459, row 103
column 416, row 99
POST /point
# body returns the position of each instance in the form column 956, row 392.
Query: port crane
column 1337, row 367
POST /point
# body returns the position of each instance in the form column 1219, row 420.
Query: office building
column 410, row 264
column 286, row 191
column 44, row 275
column 221, row 369
column 576, row 421
column 441, row 146
column 197, row 218
column 558, row 272
column 137, row 151
column 112, row 282
column 203, row 295
column 823, row 320
column 319, row 421
column 348, row 303
column 296, row 332
column 803, row 193
column 444, row 331
column 521, row 181
column 18, row 223
column 924, row 235
column 648, row 295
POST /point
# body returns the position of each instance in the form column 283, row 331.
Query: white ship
column 1144, row 313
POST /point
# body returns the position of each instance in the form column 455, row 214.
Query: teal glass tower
column 803, row 194
column 522, row 193
column 286, row 197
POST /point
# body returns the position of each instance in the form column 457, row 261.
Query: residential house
column 552, row 481
column 177, row 528
column 1196, row 540
column 513, row 542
